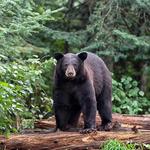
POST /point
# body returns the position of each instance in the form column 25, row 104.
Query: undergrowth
column 119, row 145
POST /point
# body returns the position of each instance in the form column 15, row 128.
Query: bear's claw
column 87, row 131
column 106, row 127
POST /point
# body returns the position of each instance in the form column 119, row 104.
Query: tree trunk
column 144, row 78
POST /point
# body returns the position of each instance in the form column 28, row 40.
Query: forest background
column 31, row 31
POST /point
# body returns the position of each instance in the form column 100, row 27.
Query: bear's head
column 70, row 64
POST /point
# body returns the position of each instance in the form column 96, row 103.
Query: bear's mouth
column 70, row 72
column 70, row 76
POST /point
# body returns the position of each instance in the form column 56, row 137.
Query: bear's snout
column 70, row 72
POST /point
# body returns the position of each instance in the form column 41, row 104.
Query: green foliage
column 119, row 145
column 120, row 28
column 23, row 85
column 128, row 98
column 10, row 105
column 19, row 21
column 27, row 123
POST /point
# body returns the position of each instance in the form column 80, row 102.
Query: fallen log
column 131, row 128
column 67, row 140
column 128, row 121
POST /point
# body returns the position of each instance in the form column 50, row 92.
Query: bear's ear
column 58, row 56
column 83, row 55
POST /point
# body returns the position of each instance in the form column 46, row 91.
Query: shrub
column 23, row 86
column 114, row 144
column 128, row 98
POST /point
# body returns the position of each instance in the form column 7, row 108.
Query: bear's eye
column 65, row 65
column 75, row 65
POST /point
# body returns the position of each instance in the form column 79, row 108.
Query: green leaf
column 141, row 93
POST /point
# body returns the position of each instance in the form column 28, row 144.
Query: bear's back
column 95, row 62
column 101, row 74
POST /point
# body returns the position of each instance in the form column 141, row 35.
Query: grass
column 119, row 145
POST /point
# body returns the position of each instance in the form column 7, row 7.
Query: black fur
column 88, row 92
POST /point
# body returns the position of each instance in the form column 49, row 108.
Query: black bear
column 82, row 84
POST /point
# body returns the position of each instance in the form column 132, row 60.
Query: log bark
column 67, row 140
column 129, row 121
column 133, row 129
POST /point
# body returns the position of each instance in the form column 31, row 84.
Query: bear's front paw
column 106, row 127
column 87, row 131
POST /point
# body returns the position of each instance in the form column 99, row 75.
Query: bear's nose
column 70, row 74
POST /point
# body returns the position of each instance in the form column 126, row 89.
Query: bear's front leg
column 89, row 107
column 89, row 114
column 61, row 109
column 61, row 116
